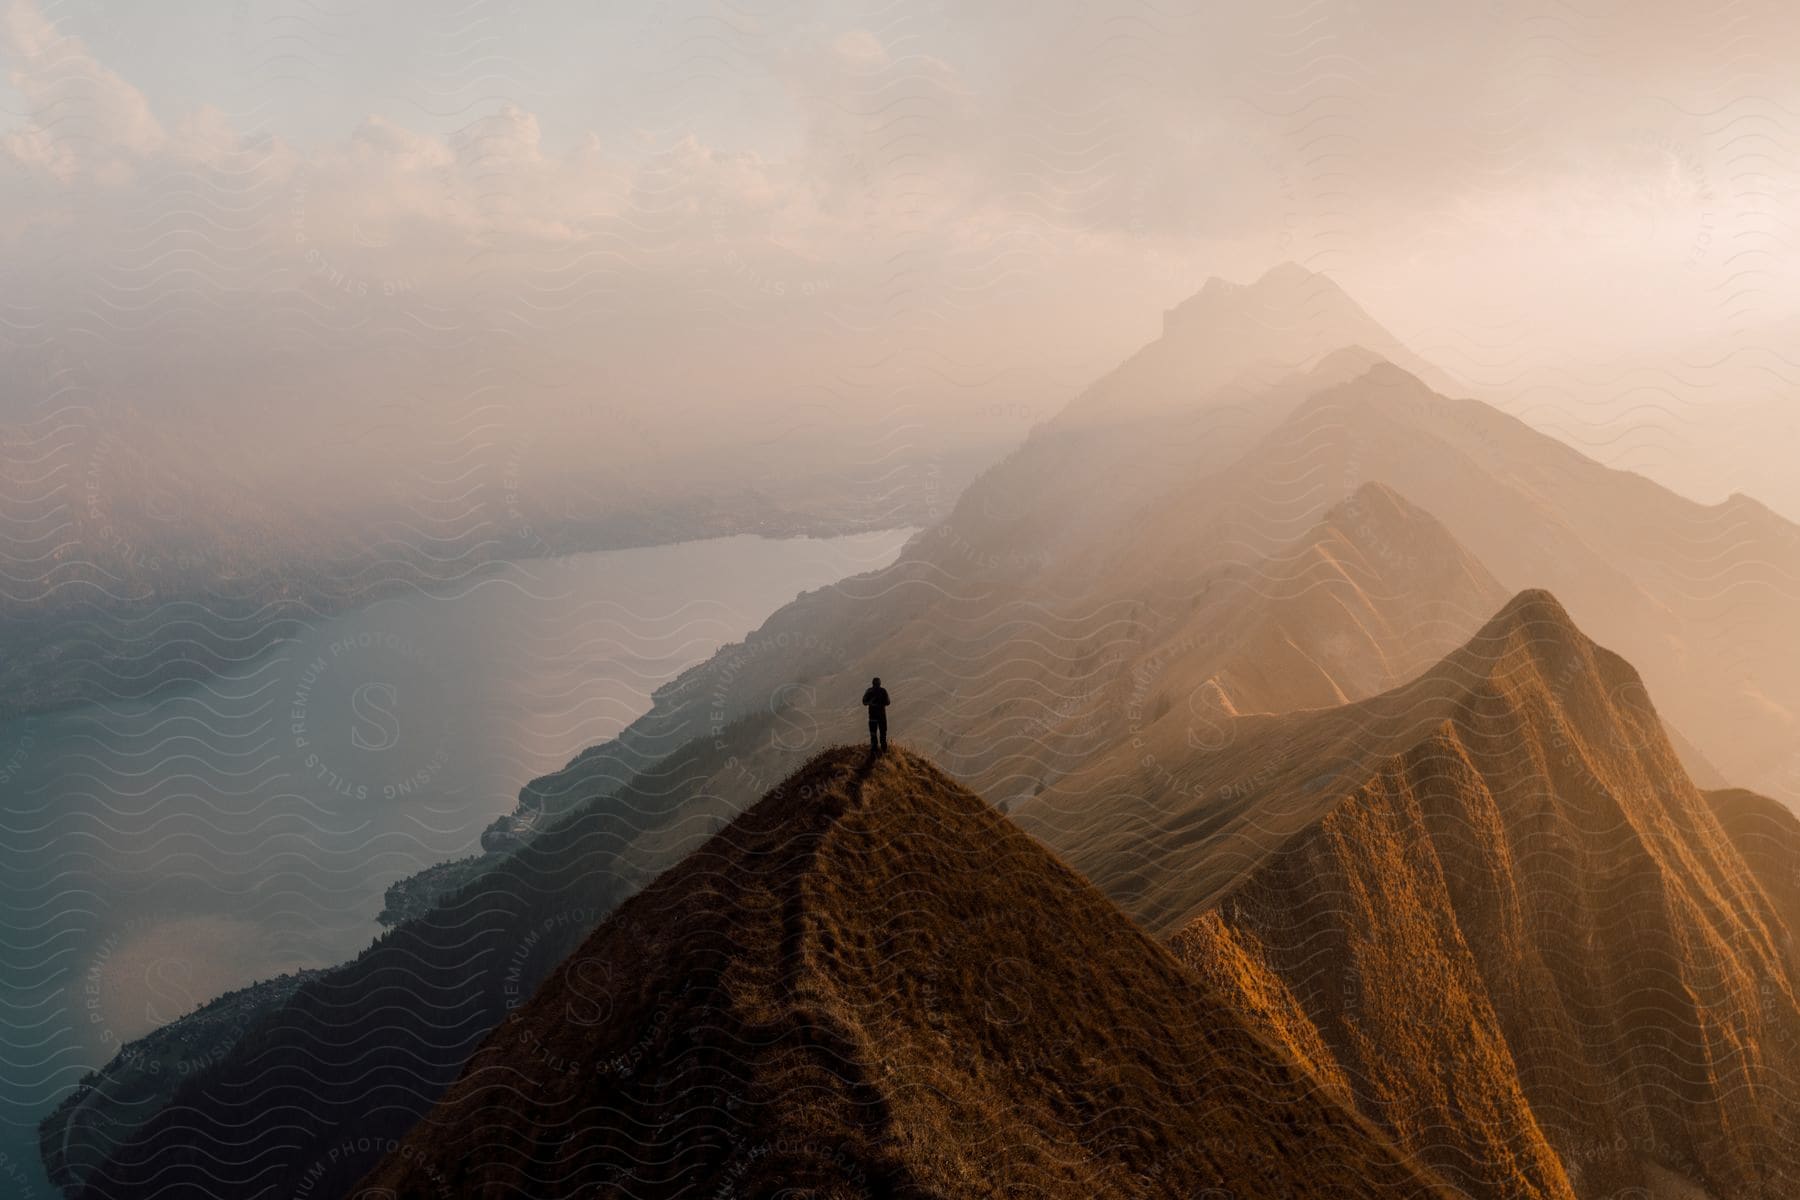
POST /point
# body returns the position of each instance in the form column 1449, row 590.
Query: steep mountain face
column 1013, row 692
column 1371, row 596
column 312, row 1093
column 1017, row 695
column 1231, row 364
column 1767, row 834
column 1492, row 909
column 871, row 984
column 1700, row 598
column 1247, row 336
column 138, row 1081
column 1108, row 527
column 1137, row 588
column 1354, row 604
column 1007, row 666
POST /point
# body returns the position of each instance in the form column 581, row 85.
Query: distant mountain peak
column 1291, row 274
column 1388, row 529
column 1363, row 382
column 1748, row 508
column 1537, row 609
column 1350, row 361
column 1284, row 293
column 1229, row 337
column 1533, row 634
column 1388, row 374
column 1372, row 497
column 1282, row 275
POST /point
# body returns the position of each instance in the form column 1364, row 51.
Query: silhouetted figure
column 876, row 700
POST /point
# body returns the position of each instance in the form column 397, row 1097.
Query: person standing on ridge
column 876, row 701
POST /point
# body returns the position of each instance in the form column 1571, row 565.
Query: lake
column 158, row 853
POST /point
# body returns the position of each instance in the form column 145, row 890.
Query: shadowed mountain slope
column 1247, row 336
column 1065, row 566
column 1371, row 596
column 1375, row 592
column 1701, row 598
column 313, row 1092
column 1137, row 579
column 1767, row 834
column 872, row 984
column 1491, row 908
column 1012, row 693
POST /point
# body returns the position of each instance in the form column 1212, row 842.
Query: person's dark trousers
column 878, row 731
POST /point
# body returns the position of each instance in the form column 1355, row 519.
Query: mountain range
column 1232, row 636
column 872, row 984
column 1510, row 935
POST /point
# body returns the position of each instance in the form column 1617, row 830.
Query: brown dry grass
column 1524, row 941
column 872, row 984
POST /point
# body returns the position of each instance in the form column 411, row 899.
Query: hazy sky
column 311, row 226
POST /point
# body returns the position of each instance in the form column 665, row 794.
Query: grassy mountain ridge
column 1101, row 618
column 1523, row 944
column 870, row 984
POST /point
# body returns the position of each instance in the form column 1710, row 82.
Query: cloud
column 981, row 192
column 81, row 119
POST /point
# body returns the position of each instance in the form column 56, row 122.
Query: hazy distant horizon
column 351, row 252
column 1311, row 773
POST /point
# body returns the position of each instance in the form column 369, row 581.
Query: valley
column 1349, row 692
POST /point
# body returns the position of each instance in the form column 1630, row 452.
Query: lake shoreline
column 256, row 627
column 263, row 800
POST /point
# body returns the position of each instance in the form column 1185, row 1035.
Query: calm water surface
column 156, row 854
